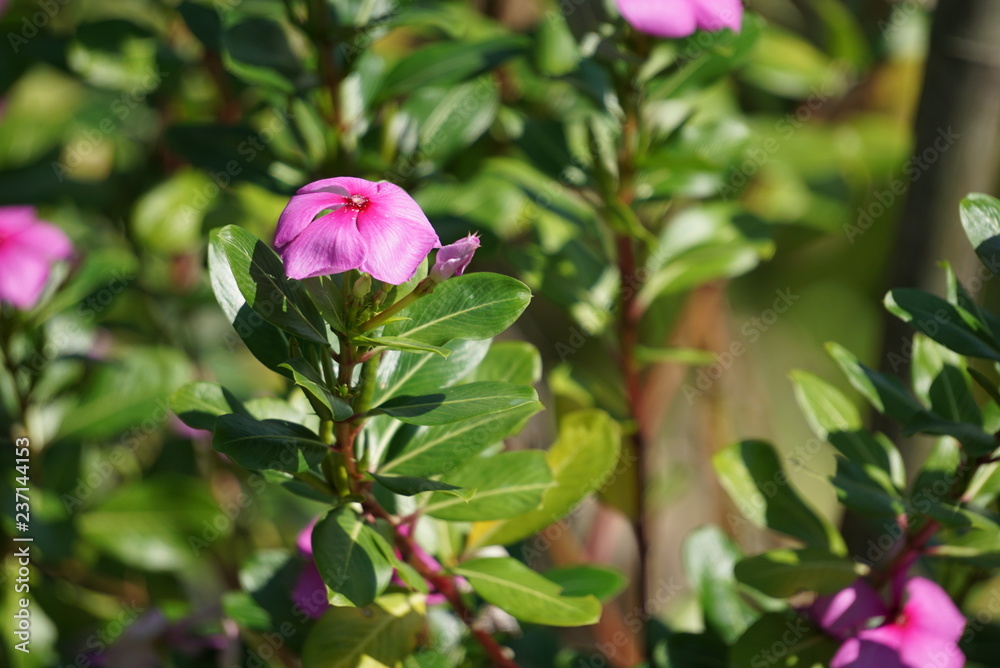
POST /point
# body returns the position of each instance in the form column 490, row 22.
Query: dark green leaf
column 350, row 558
column 306, row 377
column 198, row 404
column 981, row 219
column 267, row 444
column 941, row 321
column 603, row 582
column 784, row 573
column 410, row 486
column 801, row 645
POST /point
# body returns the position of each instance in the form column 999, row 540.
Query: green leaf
column 306, row 377
column 886, row 393
column 198, row 404
column 602, row 582
column 267, row 444
column 709, row 557
column 258, row 51
column 951, row 397
column 448, row 63
column 415, row 373
column 826, row 408
column 165, row 220
column 941, row 321
column 523, row 593
column 265, row 341
column 410, row 486
column 460, row 402
column 582, row 459
column 980, row 215
column 328, row 300
column 752, row 475
column 260, row 277
column 515, row 362
column 439, row 449
column 556, row 50
column 124, row 393
column 242, row 609
column 351, row 556
column 381, row 634
column 507, row 485
column 802, row 645
column 473, row 306
column 784, row 573
column 400, row 343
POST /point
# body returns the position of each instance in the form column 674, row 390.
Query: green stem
column 425, row 287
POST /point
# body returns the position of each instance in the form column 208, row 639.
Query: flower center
column 357, row 202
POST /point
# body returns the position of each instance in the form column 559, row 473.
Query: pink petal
column 922, row 650
column 663, row 18
column 13, row 219
column 309, row 592
column 842, row 614
column 930, row 611
column 330, row 245
column 858, row 653
column 396, row 233
column 300, row 212
column 22, row 277
column 43, row 239
column 304, row 539
column 714, row 15
column 343, row 185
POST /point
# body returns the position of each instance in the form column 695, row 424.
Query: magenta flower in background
column 28, row 249
column 453, row 259
column 309, row 592
column 923, row 633
column 680, row 18
column 374, row 227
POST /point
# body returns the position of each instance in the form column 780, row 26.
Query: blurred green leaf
column 709, row 557
column 803, row 645
column 784, row 573
column 164, row 218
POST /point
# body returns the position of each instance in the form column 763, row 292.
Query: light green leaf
column 198, row 404
column 603, row 582
column 980, row 215
column 507, row 485
column 709, row 557
column 414, row 373
column 164, row 218
column 582, row 459
column 400, row 343
column 520, row 591
column 515, row 362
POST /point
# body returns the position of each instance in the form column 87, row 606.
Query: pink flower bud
column 28, row 249
column 453, row 259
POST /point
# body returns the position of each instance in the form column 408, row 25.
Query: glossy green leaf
column 402, row 373
column 473, row 306
column 381, row 634
column 886, row 393
column 709, row 557
column 941, row 321
column 802, row 645
column 439, row 449
column 351, row 556
column 784, row 573
column 411, row 486
column 306, row 377
column 198, row 404
column 265, row 341
column 460, row 402
column 528, row 596
column 980, row 215
column 267, row 444
column 602, row 582
column 507, row 485
column 582, row 459
column 402, row 344
column 752, row 475
column 511, row 362
column 260, row 277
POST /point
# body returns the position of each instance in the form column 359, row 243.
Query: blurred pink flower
column 374, row 227
column 453, row 259
column 680, row 18
column 28, row 249
column 309, row 592
column 924, row 632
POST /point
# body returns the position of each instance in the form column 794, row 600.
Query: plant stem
column 445, row 584
column 425, row 287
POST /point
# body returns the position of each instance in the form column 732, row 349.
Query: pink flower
column 680, row 18
column 923, row 633
column 28, row 249
column 374, row 227
column 453, row 259
column 309, row 592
